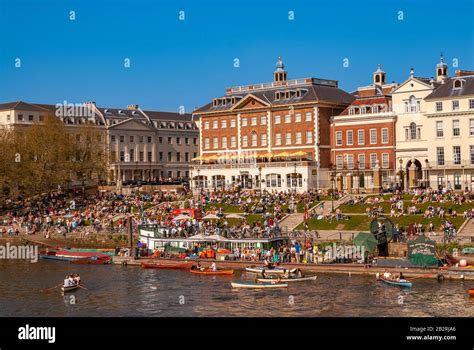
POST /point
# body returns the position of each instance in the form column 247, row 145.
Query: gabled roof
column 447, row 89
column 310, row 93
column 22, row 106
column 132, row 120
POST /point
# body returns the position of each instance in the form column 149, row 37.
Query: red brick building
column 363, row 139
column 273, row 136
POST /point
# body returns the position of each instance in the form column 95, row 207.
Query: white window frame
column 350, row 139
column 338, row 138
column 359, row 138
column 373, row 134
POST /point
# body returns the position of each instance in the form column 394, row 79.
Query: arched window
column 413, row 131
column 457, row 84
column 414, row 104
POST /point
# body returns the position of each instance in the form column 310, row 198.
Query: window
column 113, row 138
column 263, row 139
column 149, row 139
column 309, row 137
column 206, row 125
column 195, row 141
column 439, row 129
column 412, row 131
column 232, row 123
column 350, row 161
column 160, row 156
column 215, row 142
column 20, row 117
column 253, row 121
column 338, row 138
column 298, row 139
column 132, row 139
column 178, row 156
column 373, row 160
column 360, row 137
column 224, row 124
column 244, row 121
column 8, row 117
column 440, row 155
column 141, row 156
column 287, row 119
column 414, row 105
column 457, row 182
column 361, row 158
column 186, row 141
column 30, row 118
column 132, row 155
column 277, row 139
column 224, row 142
column 170, row 157
column 455, row 105
column 206, row 143
column 339, row 162
column 471, row 104
column 160, row 139
column 471, row 127
column 373, row 136
column 245, row 141
column 384, row 135
column 456, row 130
column 254, row 139
column 440, row 181
column 263, row 120
column 350, row 137
column 288, row 138
column 150, row 156
column 178, row 140
column 122, row 138
column 309, row 116
column 385, row 160
column 273, row 180
column 297, row 117
column 457, row 155
column 471, row 153
column 233, row 141
column 122, row 156
column 439, row 106
column 170, row 141
column 277, row 119
column 140, row 139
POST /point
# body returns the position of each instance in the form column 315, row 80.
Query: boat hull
column 275, row 271
column 186, row 266
column 288, row 280
column 213, row 273
column 69, row 289
column 397, row 283
column 257, row 286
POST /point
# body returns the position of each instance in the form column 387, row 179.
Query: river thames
column 114, row 290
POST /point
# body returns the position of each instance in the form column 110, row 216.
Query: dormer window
column 215, row 102
column 457, row 84
column 172, row 125
column 163, row 125
column 277, row 95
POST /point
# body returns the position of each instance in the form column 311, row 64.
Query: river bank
column 347, row 269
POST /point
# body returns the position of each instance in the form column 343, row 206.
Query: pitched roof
column 310, row 93
column 21, row 106
column 448, row 90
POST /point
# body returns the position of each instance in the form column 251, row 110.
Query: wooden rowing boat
column 274, row 271
column 180, row 266
column 287, row 280
column 405, row 283
column 209, row 272
column 69, row 289
column 253, row 285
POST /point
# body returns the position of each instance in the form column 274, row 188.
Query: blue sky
column 189, row 62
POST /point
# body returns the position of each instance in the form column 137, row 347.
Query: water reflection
column 130, row 291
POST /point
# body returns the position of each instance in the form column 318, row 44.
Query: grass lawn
column 251, row 218
column 362, row 223
column 360, row 207
column 227, row 208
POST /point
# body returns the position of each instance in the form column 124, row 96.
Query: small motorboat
column 253, row 285
column 401, row 283
column 69, row 288
column 287, row 280
column 180, row 266
column 470, row 292
column 268, row 271
column 211, row 273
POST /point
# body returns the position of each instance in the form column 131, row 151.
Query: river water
column 114, row 290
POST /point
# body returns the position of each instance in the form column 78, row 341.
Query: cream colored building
column 449, row 114
column 412, row 129
column 143, row 145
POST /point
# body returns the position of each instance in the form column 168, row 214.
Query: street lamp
column 400, row 172
column 427, row 180
column 294, row 178
column 260, row 180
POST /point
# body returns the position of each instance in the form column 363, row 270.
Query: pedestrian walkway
column 291, row 221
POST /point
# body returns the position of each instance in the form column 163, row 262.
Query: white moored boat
column 296, row 279
column 274, row 271
column 253, row 285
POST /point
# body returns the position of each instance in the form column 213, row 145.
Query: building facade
column 363, row 139
column 269, row 136
column 450, row 121
column 143, row 145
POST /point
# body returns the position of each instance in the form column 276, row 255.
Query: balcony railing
column 451, row 165
column 255, row 164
